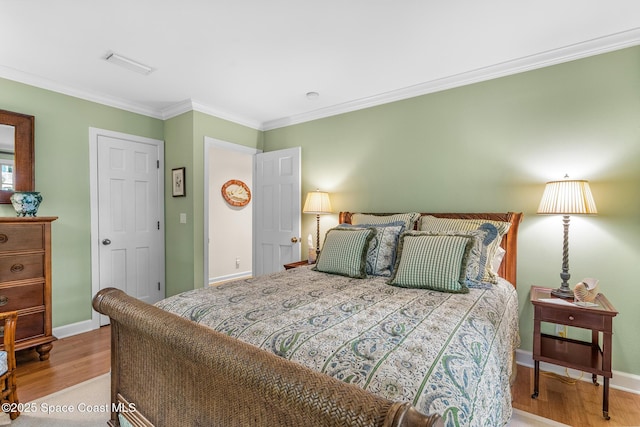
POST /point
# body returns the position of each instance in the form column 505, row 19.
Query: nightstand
column 581, row 355
column 295, row 264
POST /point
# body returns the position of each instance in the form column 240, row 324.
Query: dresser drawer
column 20, row 237
column 20, row 267
column 21, row 297
column 578, row 319
column 30, row 326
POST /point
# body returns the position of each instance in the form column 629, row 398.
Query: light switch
column 183, row 218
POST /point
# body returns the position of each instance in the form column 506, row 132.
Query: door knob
column 294, row 240
column 106, row 242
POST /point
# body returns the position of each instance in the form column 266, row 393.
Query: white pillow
column 497, row 259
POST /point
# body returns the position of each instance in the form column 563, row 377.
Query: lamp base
column 566, row 293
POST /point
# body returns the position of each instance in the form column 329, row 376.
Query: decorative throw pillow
column 477, row 260
column 409, row 219
column 381, row 254
column 436, row 262
column 344, row 252
column 497, row 229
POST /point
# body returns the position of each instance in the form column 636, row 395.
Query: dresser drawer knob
column 16, row 268
column 4, row 300
column 572, row 318
column 4, row 238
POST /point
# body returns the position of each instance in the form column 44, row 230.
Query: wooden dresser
column 25, row 279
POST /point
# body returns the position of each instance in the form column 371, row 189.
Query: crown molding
column 572, row 52
column 193, row 105
column 568, row 53
column 42, row 83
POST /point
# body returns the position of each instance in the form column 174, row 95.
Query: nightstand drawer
column 20, row 267
column 577, row 319
column 20, row 237
column 21, row 297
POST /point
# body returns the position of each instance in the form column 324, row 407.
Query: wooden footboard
column 167, row 370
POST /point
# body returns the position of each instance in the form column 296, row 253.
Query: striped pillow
column 344, row 252
column 436, row 262
column 409, row 219
column 477, row 260
column 497, row 229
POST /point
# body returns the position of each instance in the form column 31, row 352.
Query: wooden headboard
column 508, row 268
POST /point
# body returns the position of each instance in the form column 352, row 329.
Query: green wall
column 184, row 137
column 62, row 176
column 491, row 146
column 487, row 146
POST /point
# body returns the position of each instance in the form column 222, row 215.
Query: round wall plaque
column 236, row 192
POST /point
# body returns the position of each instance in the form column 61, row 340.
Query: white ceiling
column 253, row 61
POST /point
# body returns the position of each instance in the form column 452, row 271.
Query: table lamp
column 566, row 197
column 317, row 203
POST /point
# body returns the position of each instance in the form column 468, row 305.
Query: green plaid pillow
column 435, row 262
column 344, row 252
column 492, row 242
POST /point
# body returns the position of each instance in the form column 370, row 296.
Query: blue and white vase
column 26, row 203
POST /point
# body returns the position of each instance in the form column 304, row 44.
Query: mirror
column 16, row 153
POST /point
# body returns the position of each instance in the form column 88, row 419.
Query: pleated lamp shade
column 567, row 197
column 317, row 203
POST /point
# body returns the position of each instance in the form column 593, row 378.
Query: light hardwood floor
column 84, row 356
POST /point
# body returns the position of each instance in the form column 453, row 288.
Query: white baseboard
column 240, row 275
column 74, row 329
column 621, row 380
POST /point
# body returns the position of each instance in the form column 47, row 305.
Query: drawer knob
column 4, row 300
column 572, row 318
column 4, row 238
column 16, row 268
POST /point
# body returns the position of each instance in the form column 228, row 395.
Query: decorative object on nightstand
column 567, row 197
column 317, row 203
column 26, row 203
column 586, row 291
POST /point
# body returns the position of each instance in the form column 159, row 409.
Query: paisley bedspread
column 445, row 353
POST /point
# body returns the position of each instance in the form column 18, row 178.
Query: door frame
column 94, row 134
column 218, row 143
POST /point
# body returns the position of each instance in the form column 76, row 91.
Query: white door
column 130, row 214
column 277, row 210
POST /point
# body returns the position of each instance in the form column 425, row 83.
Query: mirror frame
column 24, row 161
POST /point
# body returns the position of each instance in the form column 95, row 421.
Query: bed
column 331, row 344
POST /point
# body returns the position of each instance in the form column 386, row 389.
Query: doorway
column 270, row 238
column 228, row 227
column 228, row 246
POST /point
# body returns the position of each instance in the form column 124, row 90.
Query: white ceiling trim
column 568, row 53
column 192, row 105
column 32, row 80
column 556, row 56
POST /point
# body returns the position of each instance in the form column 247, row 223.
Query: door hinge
column 158, row 164
column 158, row 225
column 158, row 285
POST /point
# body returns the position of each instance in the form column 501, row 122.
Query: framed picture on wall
column 178, row 186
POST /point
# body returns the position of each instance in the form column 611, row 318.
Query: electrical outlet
column 561, row 330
